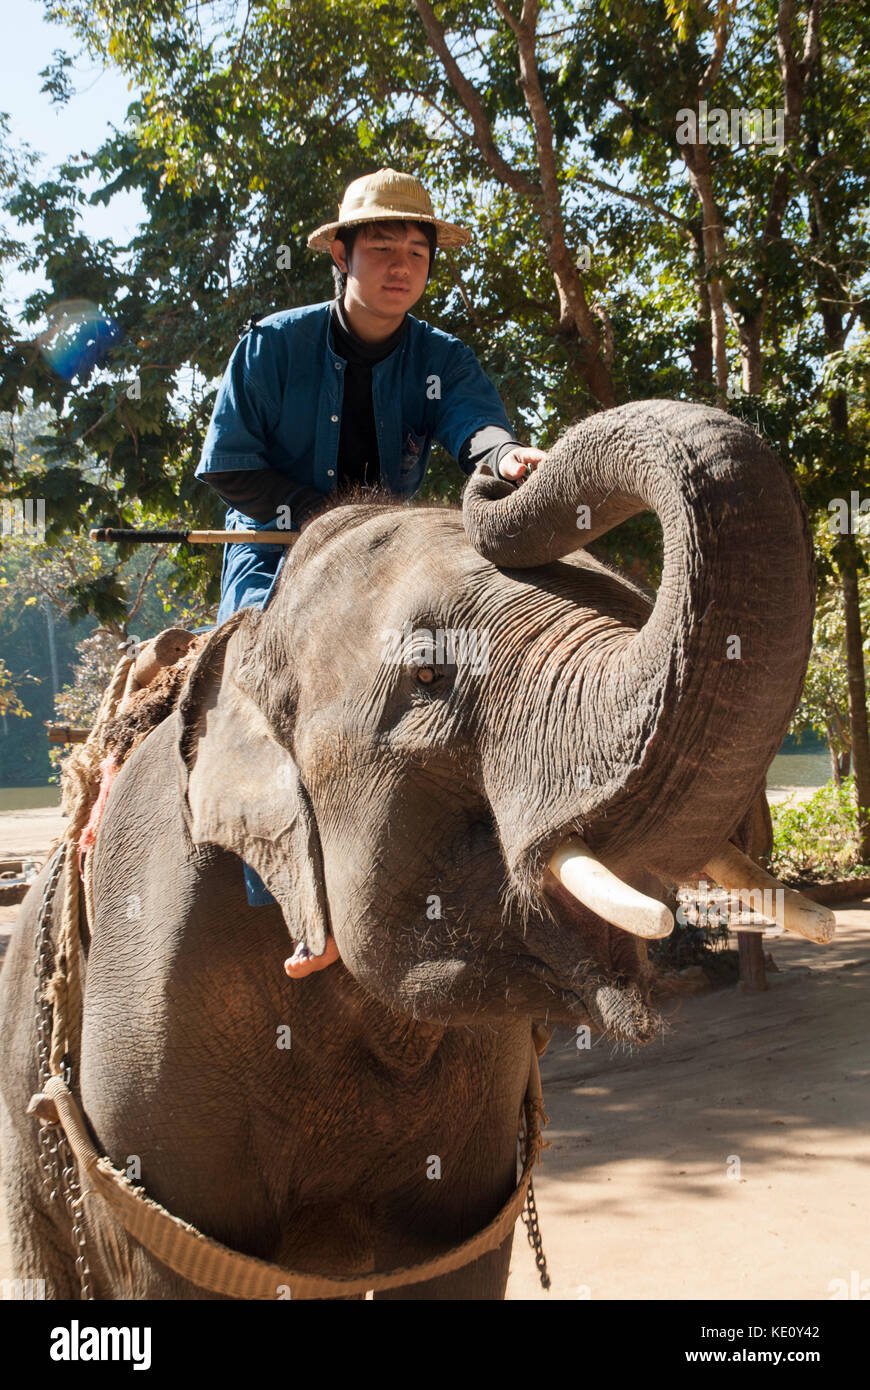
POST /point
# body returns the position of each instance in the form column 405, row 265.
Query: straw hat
column 385, row 195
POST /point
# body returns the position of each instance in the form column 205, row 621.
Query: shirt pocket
column 412, row 462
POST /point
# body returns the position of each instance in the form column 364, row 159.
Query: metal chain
column 55, row 1153
column 529, row 1214
column 73, row 1200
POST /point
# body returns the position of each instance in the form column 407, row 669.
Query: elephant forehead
column 379, row 572
column 380, row 536
column 404, row 564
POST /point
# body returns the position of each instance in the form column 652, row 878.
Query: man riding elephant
column 330, row 396
column 346, row 395
column 485, row 832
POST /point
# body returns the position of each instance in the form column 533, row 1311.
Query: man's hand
column 519, row 463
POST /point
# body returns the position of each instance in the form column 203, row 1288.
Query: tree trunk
column 847, row 557
column 835, row 760
column 713, row 240
column 750, row 353
column 52, row 649
column 701, row 351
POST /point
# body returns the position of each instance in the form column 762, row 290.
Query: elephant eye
column 427, row 675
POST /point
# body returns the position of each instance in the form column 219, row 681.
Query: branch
column 516, row 24
column 468, row 96
column 833, row 273
column 626, row 110
column 574, row 311
column 850, row 322
column 607, row 352
column 792, row 70
column 531, row 301
column 141, row 593
column 445, row 115
column 43, row 586
column 524, row 29
column 794, row 77
column 723, row 22
column 572, row 295
column 814, row 194
column 457, row 280
column 240, row 45
column 636, row 198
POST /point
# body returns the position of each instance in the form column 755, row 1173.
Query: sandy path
column 634, row 1194
column 635, row 1197
column 28, row 835
column 777, row 796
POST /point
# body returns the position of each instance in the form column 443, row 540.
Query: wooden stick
column 62, row 733
column 165, row 537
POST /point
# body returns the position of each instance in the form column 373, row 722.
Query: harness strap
column 213, row 1266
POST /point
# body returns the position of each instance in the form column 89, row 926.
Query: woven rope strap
column 80, row 783
column 213, row 1266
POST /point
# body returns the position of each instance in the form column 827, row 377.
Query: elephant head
column 439, row 716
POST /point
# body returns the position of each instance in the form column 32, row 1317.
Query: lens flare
column 78, row 338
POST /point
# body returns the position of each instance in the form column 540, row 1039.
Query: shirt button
column 334, row 419
column 338, row 366
column 330, row 472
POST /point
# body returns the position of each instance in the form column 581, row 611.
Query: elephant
column 405, row 794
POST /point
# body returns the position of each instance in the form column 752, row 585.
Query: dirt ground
column 726, row 1161
column 729, row 1160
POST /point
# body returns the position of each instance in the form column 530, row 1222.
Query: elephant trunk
column 676, row 723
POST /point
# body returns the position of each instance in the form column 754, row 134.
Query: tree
column 50, row 595
column 10, row 700
column 824, row 706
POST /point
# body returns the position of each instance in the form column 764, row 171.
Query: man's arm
column 496, row 449
column 260, row 492
column 473, row 425
column 484, row 448
column 235, row 459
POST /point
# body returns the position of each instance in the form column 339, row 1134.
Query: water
column 810, row 769
column 791, row 769
column 28, row 798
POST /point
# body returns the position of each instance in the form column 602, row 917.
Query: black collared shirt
column 358, row 454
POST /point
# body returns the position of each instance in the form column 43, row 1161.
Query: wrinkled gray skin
column 362, row 796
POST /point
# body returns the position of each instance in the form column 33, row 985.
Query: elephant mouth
column 589, row 942
column 590, row 972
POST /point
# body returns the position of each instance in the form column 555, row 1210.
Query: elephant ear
column 242, row 791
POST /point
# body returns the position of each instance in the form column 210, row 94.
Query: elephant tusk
column 736, row 872
column 596, row 887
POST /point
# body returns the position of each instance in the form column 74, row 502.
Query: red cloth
column 109, row 769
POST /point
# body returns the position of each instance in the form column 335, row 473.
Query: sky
column 100, row 102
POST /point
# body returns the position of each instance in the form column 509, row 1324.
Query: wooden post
column 750, row 949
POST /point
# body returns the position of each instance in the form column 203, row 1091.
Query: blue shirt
column 279, row 404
